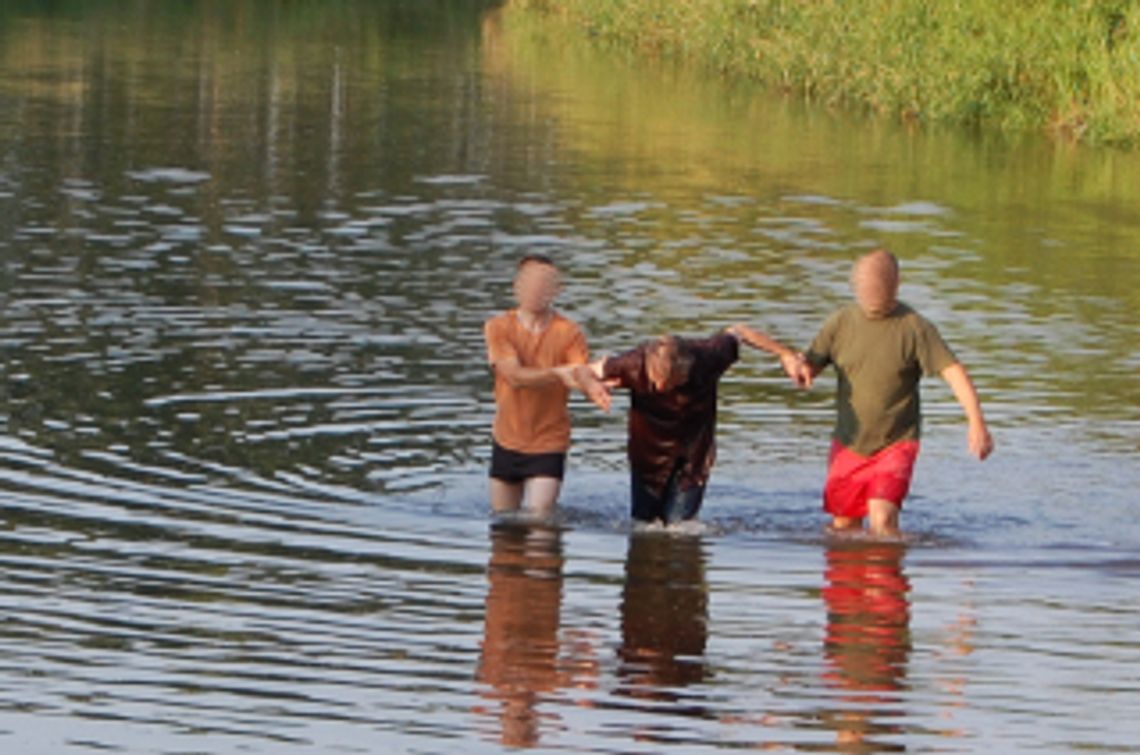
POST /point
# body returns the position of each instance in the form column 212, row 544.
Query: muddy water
column 246, row 254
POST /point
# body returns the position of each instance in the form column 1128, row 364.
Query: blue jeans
column 672, row 505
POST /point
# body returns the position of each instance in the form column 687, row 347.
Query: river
column 247, row 251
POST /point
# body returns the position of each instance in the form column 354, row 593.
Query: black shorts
column 515, row 467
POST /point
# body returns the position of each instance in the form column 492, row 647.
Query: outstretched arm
column 582, row 378
column 598, row 368
column 574, row 376
column 518, row 376
column 792, row 361
column 978, row 437
column 505, row 362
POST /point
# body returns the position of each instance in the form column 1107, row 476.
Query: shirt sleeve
column 933, row 354
column 819, row 354
column 499, row 346
column 624, row 367
column 723, row 351
column 577, row 351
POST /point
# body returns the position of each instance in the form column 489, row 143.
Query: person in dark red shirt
column 672, row 416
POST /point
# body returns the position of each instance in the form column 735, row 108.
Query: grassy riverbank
column 1071, row 67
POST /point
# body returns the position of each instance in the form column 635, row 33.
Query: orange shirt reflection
column 520, row 654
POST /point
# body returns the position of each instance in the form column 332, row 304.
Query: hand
column 980, row 442
column 598, row 370
column 596, row 390
column 600, row 395
column 797, row 368
column 806, row 376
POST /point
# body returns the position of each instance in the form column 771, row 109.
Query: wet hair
column 536, row 258
column 673, row 351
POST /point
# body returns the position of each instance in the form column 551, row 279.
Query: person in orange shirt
column 537, row 357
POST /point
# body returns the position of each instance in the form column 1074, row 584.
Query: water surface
column 247, row 250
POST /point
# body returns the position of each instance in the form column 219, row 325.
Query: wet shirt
column 678, row 426
column 879, row 362
column 534, row 419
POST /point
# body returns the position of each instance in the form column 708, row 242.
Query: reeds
column 1071, row 67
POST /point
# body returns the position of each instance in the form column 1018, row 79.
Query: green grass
column 1071, row 67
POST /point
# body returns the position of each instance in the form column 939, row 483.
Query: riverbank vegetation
column 1070, row 67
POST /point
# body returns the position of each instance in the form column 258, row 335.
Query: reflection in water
column 664, row 619
column 214, row 222
column 245, row 254
column 959, row 643
column 867, row 644
column 520, row 638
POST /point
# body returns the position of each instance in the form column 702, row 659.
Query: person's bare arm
column 598, row 368
column 792, row 361
column 574, row 376
column 758, row 340
column 505, row 364
column 518, row 376
column 978, row 435
column 582, row 377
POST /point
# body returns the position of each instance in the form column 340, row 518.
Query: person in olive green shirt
column 881, row 348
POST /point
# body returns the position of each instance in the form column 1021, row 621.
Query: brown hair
column 672, row 352
column 538, row 259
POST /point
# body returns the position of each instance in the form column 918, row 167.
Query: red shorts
column 852, row 480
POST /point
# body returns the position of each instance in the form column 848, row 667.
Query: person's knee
column 846, row 522
column 542, row 493
column 883, row 515
column 879, row 508
column 505, row 496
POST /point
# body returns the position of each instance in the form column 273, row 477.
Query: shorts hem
column 515, row 467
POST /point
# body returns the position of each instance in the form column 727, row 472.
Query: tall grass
column 1069, row 66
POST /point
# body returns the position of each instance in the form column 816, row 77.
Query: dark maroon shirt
column 678, row 425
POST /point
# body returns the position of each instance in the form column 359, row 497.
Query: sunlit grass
column 1071, row 67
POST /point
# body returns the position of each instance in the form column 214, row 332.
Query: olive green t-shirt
column 879, row 362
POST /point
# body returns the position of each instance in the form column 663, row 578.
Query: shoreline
column 1071, row 71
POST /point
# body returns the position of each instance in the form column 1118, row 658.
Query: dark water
column 247, row 249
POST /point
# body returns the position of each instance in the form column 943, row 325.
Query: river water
column 247, row 250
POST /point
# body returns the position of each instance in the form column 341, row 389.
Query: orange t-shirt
column 533, row 420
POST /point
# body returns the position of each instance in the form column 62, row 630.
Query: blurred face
column 536, row 286
column 875, row 283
